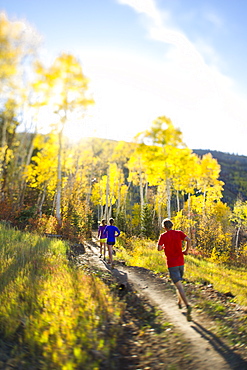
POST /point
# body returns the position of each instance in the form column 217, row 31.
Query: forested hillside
column 233, row 167
column 50, row 185
column 61, row 313
column 233, row 173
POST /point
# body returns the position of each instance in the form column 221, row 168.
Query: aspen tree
column 137, row 174
column 66, row 85
column 41, row 172
column 208, row 180
column 239, row 218
column 161, row 140
column 19, row 45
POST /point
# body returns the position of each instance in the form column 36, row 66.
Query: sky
column 183, row 59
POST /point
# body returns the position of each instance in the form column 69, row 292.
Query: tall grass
column 223, row 277
column 63, row 318
column 143, row 253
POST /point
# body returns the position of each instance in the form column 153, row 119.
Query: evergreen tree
column 146, row 221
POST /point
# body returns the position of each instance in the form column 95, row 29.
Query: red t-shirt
column 171, row 241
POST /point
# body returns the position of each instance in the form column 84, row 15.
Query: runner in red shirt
column 171, row 242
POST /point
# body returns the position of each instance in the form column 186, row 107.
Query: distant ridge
column 233, row 174
column 233, row 168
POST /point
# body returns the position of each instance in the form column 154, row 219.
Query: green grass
column 224, row 278
column 143, row 253
column 54, row 314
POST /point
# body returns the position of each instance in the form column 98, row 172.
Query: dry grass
column 63, row 318
column 224, row 278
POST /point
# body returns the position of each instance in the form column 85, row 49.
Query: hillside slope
column 233, row 167
column 233, row 174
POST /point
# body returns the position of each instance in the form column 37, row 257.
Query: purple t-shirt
column 101, row 231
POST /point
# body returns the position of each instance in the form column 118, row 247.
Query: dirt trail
column 206, row 349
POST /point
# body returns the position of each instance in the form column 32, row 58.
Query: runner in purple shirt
column 102, row 237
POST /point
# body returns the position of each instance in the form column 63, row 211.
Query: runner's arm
column 188, row 245
column 159, row 247
column 118, row 233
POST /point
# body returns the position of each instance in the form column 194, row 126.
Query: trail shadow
column 235, row 361
column 121, row 277
column 139, row 315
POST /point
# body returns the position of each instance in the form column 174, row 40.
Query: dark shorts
column 176, row 273
column 110, row 243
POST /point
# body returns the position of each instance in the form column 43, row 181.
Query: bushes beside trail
column 56, row 316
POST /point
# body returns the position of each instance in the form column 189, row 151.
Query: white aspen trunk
column 204, row 201
column 101, row 207
column 41, row 203
column 188, row 201
column 3, row 157
column 168, row 192
column 107, row 196
column 146, row 192
column 88, row 197
column 237, row 239
column 141, row 191
column 59, row 180
column 125, row 199
column 118, row 202
column 23, row 183
column 3, row 144
column 54, row 204
column 159, row 214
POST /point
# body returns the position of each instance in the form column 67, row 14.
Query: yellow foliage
column 42, row 171
column 219, row 256
column 62, row 311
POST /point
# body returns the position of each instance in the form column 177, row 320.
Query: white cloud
column 147, row 7
column 131, row 91
column 214, row 19
column 200, row 99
